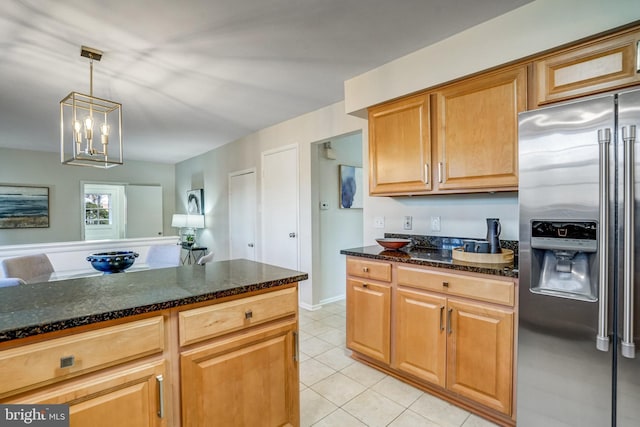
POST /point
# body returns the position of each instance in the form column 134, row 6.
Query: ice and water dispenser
column 564, row 259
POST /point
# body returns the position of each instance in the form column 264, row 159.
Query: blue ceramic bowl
column 112, row 262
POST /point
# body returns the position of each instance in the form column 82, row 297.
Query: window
column 97, row 209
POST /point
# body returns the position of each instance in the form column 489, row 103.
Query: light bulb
column 88, row 128
column 104, row 129
column 77, row 127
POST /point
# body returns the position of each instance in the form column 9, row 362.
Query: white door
column 280, row 207
column 242, row 215
column 144, row 211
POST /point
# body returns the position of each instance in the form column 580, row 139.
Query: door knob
column 250, row 245
column 292, row 234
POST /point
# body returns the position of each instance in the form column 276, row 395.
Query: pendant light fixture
column 90, row 127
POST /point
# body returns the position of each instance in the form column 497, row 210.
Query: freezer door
column 562, row 378
column 628, row 376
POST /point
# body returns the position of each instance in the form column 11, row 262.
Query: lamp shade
column 187, row 221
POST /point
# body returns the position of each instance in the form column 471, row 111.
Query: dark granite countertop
column 37, row 308
column 432, row 257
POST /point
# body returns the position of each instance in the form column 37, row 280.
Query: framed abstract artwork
column 350, row 187
column 195, row 202
column 24, row 206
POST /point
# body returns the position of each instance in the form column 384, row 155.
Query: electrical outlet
column 407, row 222
column 435, row 223
column 378, row 222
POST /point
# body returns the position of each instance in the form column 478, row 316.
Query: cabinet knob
column 365, row 285
column 365, row 269
column 248, row 314
column 445, row 284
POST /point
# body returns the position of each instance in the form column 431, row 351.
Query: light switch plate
column 407, row 223
column 435, row 223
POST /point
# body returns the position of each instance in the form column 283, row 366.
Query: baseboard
column 323, row 302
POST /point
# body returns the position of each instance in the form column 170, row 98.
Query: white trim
column 316, row 307
column 72, row 255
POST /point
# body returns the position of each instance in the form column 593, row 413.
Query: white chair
column 205, row 258
column 163, row 256
column 26, row 267
column 11, row 281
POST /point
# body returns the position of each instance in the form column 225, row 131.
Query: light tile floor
column 337, row 391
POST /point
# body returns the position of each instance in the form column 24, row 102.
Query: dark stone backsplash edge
column 445, row 242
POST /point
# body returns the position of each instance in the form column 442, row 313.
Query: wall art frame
column 350, row 191
column 195, row 202
column 24, row 206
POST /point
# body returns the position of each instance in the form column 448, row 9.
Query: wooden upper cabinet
column 477, row 131
column 400, row 147
column 605, row 64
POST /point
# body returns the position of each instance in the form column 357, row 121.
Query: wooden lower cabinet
column 480, row 353
column 249, row 379
column 462, row 346
column 131, row 397
column 368, row 318
column 449, row 333
column 420, row 337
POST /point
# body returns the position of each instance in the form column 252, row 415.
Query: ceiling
column 193, row 75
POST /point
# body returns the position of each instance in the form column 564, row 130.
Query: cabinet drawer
column 208, row 322
column 479, row 288
column 369, row 269
column 61, row 358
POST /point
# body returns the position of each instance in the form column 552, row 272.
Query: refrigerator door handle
column 628, row 346
column 602, row 339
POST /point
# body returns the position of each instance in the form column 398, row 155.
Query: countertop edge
column 54, row 326
column 403, row 257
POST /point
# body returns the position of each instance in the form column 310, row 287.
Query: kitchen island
column 173, row 346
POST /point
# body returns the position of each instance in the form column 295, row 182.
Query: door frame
column 263, row 155
column 255, row 195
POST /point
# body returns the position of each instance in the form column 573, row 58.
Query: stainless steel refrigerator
column 579, row 304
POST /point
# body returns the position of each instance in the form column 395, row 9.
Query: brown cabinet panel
column 246, row 380
column 369, row 318
column 420, row 337
column 128, row 398
column 589, row 68
column 477, row 131
column 202, row 323
column 373, row 270
column 400, row 147
column 62, row 358
column 480, row 354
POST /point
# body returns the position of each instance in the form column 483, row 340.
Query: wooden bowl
column 392, row 243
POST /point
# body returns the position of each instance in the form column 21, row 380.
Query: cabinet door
column 400, row 147
column 477, row 131
column 132, row 397
column 480, row 353
column 249, row 379
column 420, row 338
column 590, row 68
column 368, row 318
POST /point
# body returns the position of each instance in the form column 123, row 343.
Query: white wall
column 65, row 224
column 210, row 171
